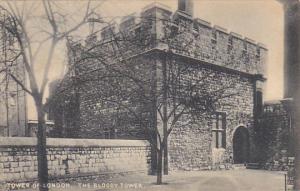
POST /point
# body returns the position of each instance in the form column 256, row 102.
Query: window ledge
column 219, row 149
column 217, row 129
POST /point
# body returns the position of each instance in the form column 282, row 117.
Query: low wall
column 71, row 157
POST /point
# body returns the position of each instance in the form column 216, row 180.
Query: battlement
column 182, row 34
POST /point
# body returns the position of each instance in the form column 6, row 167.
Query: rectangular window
column 214, row 39
column 245, row 49
column 219, row 130
column 229, row 45
column 230, row 41
column 257, row 52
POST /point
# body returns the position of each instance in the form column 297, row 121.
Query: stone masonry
column 143, row 43
column 71, row 158
column 191, row 146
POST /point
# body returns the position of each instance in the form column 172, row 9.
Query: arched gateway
column 241, row 145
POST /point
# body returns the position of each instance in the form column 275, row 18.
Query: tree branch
column 20, row 83
column 47, row 67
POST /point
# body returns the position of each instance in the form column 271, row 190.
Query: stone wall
column 71, row 157
column 115, row 107
column 192, row 37
column 132, row 55
column 190, row 145
column 159, row 29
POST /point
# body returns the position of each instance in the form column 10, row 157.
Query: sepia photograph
column 142, row 95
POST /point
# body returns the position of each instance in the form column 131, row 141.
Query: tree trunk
column 159, row 166
column 41, row 148
column 165, row 149
column 165, row 115
column 154, row 152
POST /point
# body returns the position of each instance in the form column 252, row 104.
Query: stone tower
column 186, row 6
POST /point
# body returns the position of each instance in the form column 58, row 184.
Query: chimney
column 186, row 6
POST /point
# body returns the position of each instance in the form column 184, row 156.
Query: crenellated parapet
column 120, row 74
column 157, row 26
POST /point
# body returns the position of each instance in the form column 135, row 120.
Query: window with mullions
column 219, row 130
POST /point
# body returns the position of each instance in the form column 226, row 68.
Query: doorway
column 241, row 145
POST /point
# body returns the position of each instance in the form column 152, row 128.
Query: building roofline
column 261, row 45
column 197, row 20
column 236, row 35
column 183, row 14
column 157, row 5
column 221, row 29
column 250, row 40
column 203, row 22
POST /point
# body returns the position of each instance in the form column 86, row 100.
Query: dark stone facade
column 191, row 146
column 227, row 62
column 276, row 132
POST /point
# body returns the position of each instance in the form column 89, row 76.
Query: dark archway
column 241, row 145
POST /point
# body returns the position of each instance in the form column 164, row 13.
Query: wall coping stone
column 236, row 35
column 262, row 46
column 220, row 29
column 66, row 142
column 250, row 40
column 203, row 22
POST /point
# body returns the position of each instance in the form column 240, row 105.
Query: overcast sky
column 260, row 20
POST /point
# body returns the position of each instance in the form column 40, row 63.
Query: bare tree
column 151, row 86
column 30, row 48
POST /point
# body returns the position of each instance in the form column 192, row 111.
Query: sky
column 260, row 20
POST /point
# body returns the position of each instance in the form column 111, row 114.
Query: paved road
column 241, row 180
column 229, row 180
